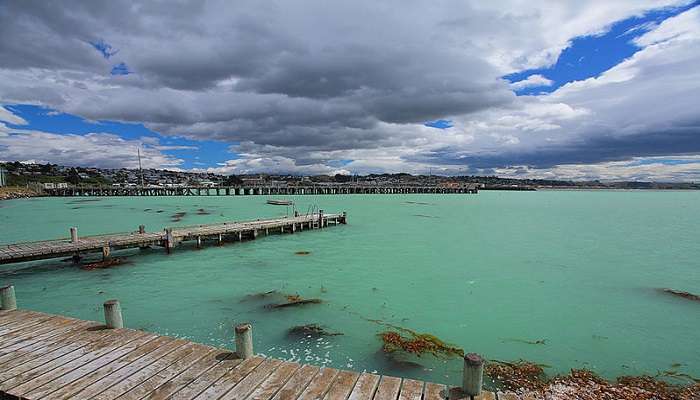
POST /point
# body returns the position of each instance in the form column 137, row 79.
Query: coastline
column 16, row 192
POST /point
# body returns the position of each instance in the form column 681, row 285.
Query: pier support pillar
column 106, row 253
column 294, row 227
column 73, row 235
column 244, row 341
column 142, row 229
column 169, row 240
column 320, row 218
column 267, row 231
column 199, row 242
column 473, row 376
column 220, row 239
column 8, row 301
column 344, row 220
column 282, row 229
column 255, row 233
column 113, row 314
column 240, row 236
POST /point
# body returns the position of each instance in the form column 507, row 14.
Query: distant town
column 49, row 176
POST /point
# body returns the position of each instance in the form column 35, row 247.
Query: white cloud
column 8, row 116
column 94, row 149
column 535, row 80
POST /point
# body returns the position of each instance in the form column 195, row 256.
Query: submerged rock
column 313, row 330
column 295, row 300
column 112, row 262
column 680, row 293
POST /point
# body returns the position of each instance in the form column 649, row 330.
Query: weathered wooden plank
column 73, row 382
column 297, row 383
column 434, row 391
column 24, row 383
column 364, row 387
column 62, row 354
column 388, row 388
column 342, row 385
column 199, row 352
column 255, row 378
column 411, row 390
column 213, row 375
column 191, row 374
column 270, row 386
column 241, row 374
column 320, row 384
column 29, row 332
column 132, row 375
column 35, row 341
column 21, row 321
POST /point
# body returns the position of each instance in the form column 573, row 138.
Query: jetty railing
column 259, row 190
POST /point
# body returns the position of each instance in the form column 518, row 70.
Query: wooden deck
column 168, row 238
column 45, row 356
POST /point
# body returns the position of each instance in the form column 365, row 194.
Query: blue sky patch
column 439, row 124
column 104, row 48
column 589, row 56
column 121, row 69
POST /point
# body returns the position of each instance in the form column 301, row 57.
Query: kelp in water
column 313, row 330
column 417, row 344
column 302, row 253
column 680, row 293
column 294, row 300
column 109, row 263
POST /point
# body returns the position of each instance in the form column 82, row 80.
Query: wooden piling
column 244, row 340
column 169, row 239
column 199, row 242
column 8, row 301
column 473, row 375
column 320, row 218
column 106, row 251
column 220, row 239
column 113, row 314
column 73, row 235
column 142, row 229
column 255, row 233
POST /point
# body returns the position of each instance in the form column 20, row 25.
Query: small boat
column 280, row 202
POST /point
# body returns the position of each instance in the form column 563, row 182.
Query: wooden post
column 267, row 231
column 244, row 340
column 142, row 229
column 169, row 239
column 8, row 301
column 73, row 235
column 320, row 218
column 220, row 239
column 199, row 242
column 345, row 218
column 294, row 227
column 255, row 233
column 106, row 251
column 113, row 314
column 473, row 376
column 240, row 236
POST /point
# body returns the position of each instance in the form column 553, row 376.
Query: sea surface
column 569, row 279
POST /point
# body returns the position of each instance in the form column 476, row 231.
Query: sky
column 586, row 89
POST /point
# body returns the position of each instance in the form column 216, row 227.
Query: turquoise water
column 488, row 272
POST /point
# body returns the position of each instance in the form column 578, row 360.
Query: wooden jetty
column 168, row 238
column 45, row 356
column 257, row 190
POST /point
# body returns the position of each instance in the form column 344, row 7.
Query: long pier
column 44, row 356
column 75, row 246
column 257, row 190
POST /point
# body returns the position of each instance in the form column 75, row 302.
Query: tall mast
column 138, row 150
